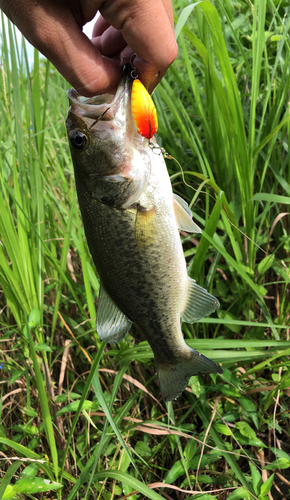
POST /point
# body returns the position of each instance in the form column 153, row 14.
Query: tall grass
column 83, row 420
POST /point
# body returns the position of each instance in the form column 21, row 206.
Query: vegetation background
column 80, row 419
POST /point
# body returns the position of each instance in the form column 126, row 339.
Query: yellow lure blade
column 143, row 110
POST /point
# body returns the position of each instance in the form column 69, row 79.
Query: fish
column 132, row 219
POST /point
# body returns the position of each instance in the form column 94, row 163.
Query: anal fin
column 112, row 323
column 199, row 304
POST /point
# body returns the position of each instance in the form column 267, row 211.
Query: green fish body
column 131, row 220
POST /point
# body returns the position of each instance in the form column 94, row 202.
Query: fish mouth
column 96, row 110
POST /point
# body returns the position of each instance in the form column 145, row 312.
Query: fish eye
column 78, row 139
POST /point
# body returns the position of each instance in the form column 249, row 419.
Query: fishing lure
column 143, row 110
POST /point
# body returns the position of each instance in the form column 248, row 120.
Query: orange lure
column 143, row 110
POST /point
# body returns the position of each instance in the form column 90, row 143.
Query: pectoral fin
column 119, row 191
column 199, row 304
column 112, row 323
column 183, row 215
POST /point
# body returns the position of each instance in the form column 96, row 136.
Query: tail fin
column 174, row 378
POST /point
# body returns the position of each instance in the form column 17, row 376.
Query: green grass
column 80, row 419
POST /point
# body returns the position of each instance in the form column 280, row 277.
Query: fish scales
column 131, row 221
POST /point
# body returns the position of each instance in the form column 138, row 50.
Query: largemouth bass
column 131, row 220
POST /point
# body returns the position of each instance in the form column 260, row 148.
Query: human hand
column 92, row 67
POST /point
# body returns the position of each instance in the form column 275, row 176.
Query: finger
column 79, row 61
column 82, row 65
column 100, row 26
column 110, row 43
column 147, row 29
column 167, row 4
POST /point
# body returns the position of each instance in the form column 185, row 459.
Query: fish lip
column 106, row 106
